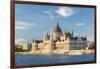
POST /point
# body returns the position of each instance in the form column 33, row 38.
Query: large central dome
column 57, row 32
column 57, row 29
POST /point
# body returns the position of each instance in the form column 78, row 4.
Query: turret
column 72, row 32
column 51, row 37
column 46, row 36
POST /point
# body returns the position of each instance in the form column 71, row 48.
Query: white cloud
column 80, row 24
column 22, row 25
column 18, row 40
column 61, row 11
column 50, row 14
column 65, row 11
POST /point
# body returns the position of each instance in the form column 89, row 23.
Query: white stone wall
column 78, row 45
column 34, row 47
column 24, row 46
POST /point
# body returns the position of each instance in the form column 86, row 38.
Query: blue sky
column 31, row 21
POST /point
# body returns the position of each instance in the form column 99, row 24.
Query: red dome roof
column 57, row 29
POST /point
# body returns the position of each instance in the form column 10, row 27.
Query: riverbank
column 72, row 52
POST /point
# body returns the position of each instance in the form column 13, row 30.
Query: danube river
column 49, row 59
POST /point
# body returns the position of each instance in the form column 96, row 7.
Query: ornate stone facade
column 58, row 41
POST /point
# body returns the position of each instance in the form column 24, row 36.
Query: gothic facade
column 59, row 41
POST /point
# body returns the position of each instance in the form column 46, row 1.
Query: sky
column 31, row 21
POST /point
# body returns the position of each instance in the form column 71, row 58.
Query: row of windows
column 77, row 48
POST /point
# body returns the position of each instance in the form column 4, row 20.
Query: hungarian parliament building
column 59, row 41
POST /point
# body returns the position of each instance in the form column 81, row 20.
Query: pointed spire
column 57, row 24
column 65, row 30
column 51, row 36
column 72, row 32
column 46, row 36
column 34, row 40
column 34, row 37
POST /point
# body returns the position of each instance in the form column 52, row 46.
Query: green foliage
column 20, row 50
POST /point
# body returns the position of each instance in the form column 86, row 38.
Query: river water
column 49, row 59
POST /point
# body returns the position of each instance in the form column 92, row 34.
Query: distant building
column 90, row 45
column 17, row 46
column 59, row 41
column 23, row 45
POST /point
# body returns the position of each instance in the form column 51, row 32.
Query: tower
column 65, row 35
column 52, row 43
column 57, row 32
column 72, row 32
column 45, row 37
column 34, row 45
